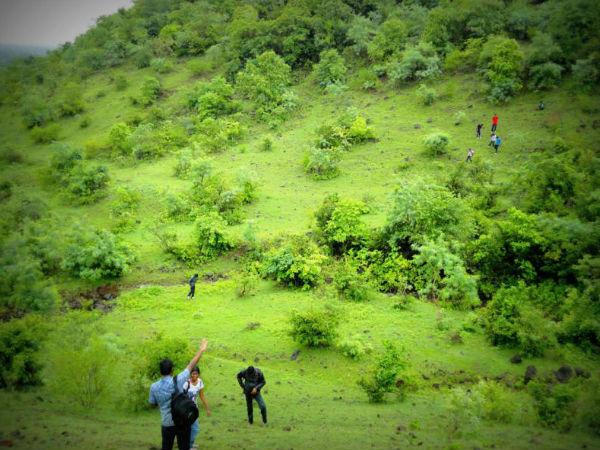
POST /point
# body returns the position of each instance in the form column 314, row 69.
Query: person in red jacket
column 494, row 122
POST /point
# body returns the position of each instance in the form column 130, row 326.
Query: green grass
column 313, row 402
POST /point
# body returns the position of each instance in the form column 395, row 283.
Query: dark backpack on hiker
column 183, row 408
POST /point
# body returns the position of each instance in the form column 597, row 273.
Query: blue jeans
column 194, row 432
column 261, row 405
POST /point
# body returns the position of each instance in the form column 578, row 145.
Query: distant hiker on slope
column 492, row 140
column 175, row 411
column 494, row 122
column 497, row 144
column 192, row 284
column 470, row 154
column 194, row 387
column 252, row 381
column 478, row 130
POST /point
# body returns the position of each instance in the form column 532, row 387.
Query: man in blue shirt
column 497, row 144
column 160, row 395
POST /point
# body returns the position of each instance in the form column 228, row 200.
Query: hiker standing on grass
column 192, row 284
column 478, row 130
column 470, row 154
column 165, row 390
column 492, row 140
column 541, row 105
column 194, row 387
column 497, row 144
column 251, row 381
column 494, row 122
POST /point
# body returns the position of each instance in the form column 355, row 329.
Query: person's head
column 250, row 370
column 166, row 367
column 195, row 374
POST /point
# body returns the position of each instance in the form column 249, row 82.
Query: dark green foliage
column 35, row 110
column 391, row 272
column 124, row 207
column 543, row 62
column 586, row 72
column 315, row 328
column 6, row 190
column 295, row 263
column 383, row 374
column 87, row 184
column 211, row 236
column 339, row 224
column 331, row 68
column 322, row 163
column 70, row 100
column 22, row 285
column 351, row 283
column 442, row 275
column 510, row 319
column 420, row 210
column 501, row 61
column 149, row 91
column 436, row 144
column 389, row 40
column 265, row 82
column 418, row 62
column 96, row 255
column 46, row 134
column 119, row 139
column 20, row 363
column 11, row 156
column 212, row 99
column 146, row 368
column 555, row 404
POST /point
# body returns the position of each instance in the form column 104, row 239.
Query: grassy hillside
column 152, row 148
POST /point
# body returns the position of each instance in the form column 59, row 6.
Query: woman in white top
column 195, row 388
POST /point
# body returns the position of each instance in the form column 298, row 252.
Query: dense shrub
column 46, row 134
column 555, row 404
column 22, row 285
column 178, row 207
column 266, row 145
column 35, row 111
column 20, row 363
column 87, row 184
column 217, row 135
column 391, row 272
column 70, row 100
column 161, row 65
column 211, row 237
column 464, row 60
column 265, row 81
column 119, row 139
column 389, row 40
column 384, row 374
column 436, row 144
column 354, row 347
column 124, row 207
column 212, row 99
column 331, row 68
column 442, row 275
column 586, row 72
column 247, row 283
column 315, row 327
column 421, row 210
column 418, row 62
column 95, row 255
column 510, row 319
column 366, row 79
column 322, row 163
column 339, row 224
column 295, row 263
column 63, row 161
column 426, row 95
column 501, row 61
column 149, row 91
column 350, row 283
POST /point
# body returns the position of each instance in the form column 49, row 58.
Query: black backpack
column 183, row 408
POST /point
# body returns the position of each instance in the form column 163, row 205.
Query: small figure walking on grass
column 494, row 122
column 192, row 284
column 470, row 154
column 492, row 140
column 478, row 130
column 497, row 144
column 541, row 105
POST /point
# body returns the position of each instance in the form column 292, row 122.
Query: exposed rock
column 417, row 126
column 295, row 355
column 564, row 374
column 530, row 374
column 516, row 359
column 429, row 120
column 582, row 372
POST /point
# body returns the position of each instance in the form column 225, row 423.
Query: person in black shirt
column 478, row 130
column 192, row 284
column 251, row 381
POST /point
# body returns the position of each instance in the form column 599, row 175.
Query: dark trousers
column 261, row 405
column 192, row 291
column 169, row 434
column 494, row 126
